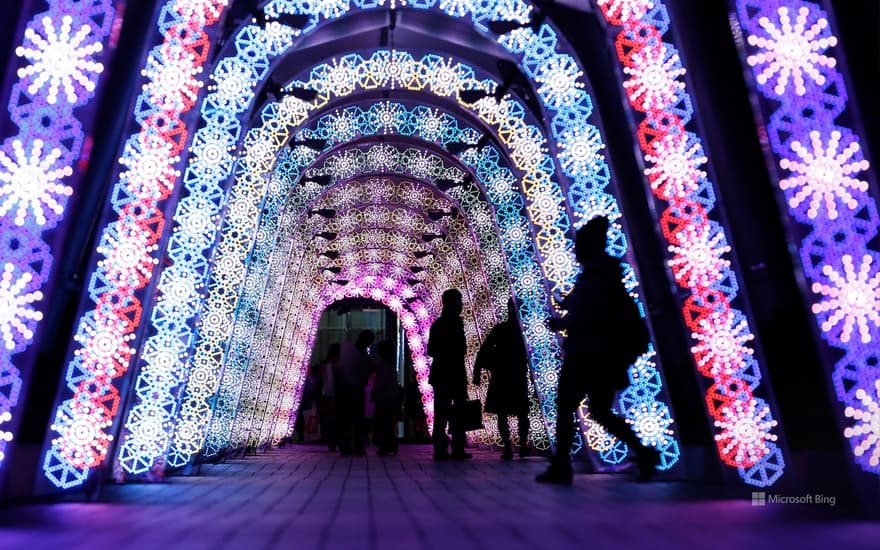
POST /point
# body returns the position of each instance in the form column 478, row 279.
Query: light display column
column 827, row 192
column 59, row 64
column 700, row 257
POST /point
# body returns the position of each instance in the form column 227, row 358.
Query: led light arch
column 370, row 217
column 522, row 32
column 49, row 106
column 257, row 157
column 825, row 191
column 364, row 276
column 488, row 242
column 403, row 121
column 673, row 452
column 499, row 297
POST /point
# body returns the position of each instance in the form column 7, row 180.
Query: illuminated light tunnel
column 466, row 163
column 547, row 209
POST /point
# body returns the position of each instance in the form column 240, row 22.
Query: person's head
column 365, row 339
column 591, row 239
column 511, row 310
column 452, row 303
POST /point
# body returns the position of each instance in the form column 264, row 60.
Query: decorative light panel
column 355, row 120
column 823, row 178
column 259, row 142
column 415, row 199
column 369, row 220
column 349, row 163
column 364, row 280
column 654, row 83
column 58, row 76
column 83, row 421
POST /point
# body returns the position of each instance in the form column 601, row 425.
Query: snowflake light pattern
column 866, row 433
column 32, row 182
column 793, row 56
column 699, row 261
column 721, row 348
column 16, row 312
column 654, row 73
column 675, row 171
column 852, row 298
column 824, row 175
column 60, row 59
column 651, row 423
column 685, row 200
column 745, row 431
column 792, row 52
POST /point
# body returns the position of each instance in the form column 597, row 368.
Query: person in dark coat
column 447, row 346
column 594, row 348
column 504, row 355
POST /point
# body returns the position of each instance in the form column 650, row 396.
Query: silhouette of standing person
column 595, row 348
column 351, row 379
column 503, row 354
column 447, row 347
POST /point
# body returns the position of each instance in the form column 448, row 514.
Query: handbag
column 470, row 415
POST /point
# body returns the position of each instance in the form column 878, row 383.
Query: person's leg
column 456, row 430
column 504, row 432
column 441, row 418
column 600, row 403
column 567, row 397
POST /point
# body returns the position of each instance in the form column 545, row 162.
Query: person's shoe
column 441, row 456
column 555, row 474
column 508, row 453
column 524, row 451
column 461, row 456
column 647, row 461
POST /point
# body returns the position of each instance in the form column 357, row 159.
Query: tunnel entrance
column 340, row 322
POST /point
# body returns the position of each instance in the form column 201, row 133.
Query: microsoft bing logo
column 759, row 499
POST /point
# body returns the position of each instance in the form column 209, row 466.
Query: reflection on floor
column 304, row 497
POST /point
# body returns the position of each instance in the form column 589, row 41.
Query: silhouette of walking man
column 447, row 347
column 503, row 354
column 598, row 350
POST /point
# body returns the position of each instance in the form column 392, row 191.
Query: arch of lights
column 823, row 177
column 370, row 214
column 491, row 255
column 356, row 162
column 533, row 50
column 649, row 386
column 48, row 104
column 382, row 73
